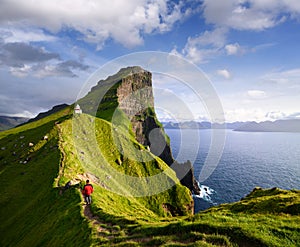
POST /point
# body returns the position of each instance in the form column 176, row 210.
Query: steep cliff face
column 135, row 98
column 130, row 90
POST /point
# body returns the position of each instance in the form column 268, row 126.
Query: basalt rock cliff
column 135, row 99
column 130, row 90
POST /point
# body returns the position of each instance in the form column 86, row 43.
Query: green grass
column 122, row 166
column 49, row 120
column 35, row 211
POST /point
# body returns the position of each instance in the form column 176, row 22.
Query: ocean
column 248, row 160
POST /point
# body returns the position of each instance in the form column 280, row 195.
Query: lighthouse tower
column 77, row 109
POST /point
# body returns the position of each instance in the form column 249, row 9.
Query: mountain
column 137, row 201
column 10, row 122
column 54, row 109
column 292, row 125
column 201, row 125
column 41, row 157
column 130, row 92
column 210, row 125
column 184, row 125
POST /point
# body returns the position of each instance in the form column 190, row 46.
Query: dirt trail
column 104, row 229
column 63, row 155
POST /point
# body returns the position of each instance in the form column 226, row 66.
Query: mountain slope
column 10, row 122
column 34, row 207
column 120, row 165
column 54, row 109
column 36, row 210
column 32, row 211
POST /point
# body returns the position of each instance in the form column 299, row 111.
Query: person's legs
column 86, row 198
column 89, row 199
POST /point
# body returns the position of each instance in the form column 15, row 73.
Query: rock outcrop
column 135, row 98
column 130, row 90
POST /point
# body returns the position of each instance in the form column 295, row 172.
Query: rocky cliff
column 130, row 90
column 135, row 98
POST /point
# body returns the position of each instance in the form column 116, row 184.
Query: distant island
column 289, row 125
column 200, row 125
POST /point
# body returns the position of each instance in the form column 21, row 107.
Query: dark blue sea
column 249, row 159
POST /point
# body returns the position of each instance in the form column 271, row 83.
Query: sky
column 248, row 51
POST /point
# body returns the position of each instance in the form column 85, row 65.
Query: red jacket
column 88, row 189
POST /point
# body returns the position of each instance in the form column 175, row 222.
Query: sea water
column 248, row 160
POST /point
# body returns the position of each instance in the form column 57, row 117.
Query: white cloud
column 288, row 78
column 97, row 21
column 24, row 113
column 215, row 38
column 256, row 94
column 20, row 71
column 175, row 52
column 24, row 59
column 250, row 15
column 204, row 47
column 261, row 47
column 258, row 114
column 25, row 35
column 275, row 115
column 63, row 69
column 294, row 115
column 233, row 49
column 246, row 114
column 224, row 73
column 32, row 95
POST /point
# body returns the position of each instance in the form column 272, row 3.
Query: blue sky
column 249, row 51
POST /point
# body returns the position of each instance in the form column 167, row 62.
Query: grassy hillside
column 273, row 220
column 36, row 210
column 33, row 213
column 120, row 165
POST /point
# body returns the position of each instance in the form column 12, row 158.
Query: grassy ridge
column 122, row 166
column 33, row 213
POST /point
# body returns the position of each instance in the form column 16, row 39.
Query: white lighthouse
column 77, row 109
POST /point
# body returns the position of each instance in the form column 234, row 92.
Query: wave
column 206, row 193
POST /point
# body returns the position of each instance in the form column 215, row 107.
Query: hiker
column 87, row 191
